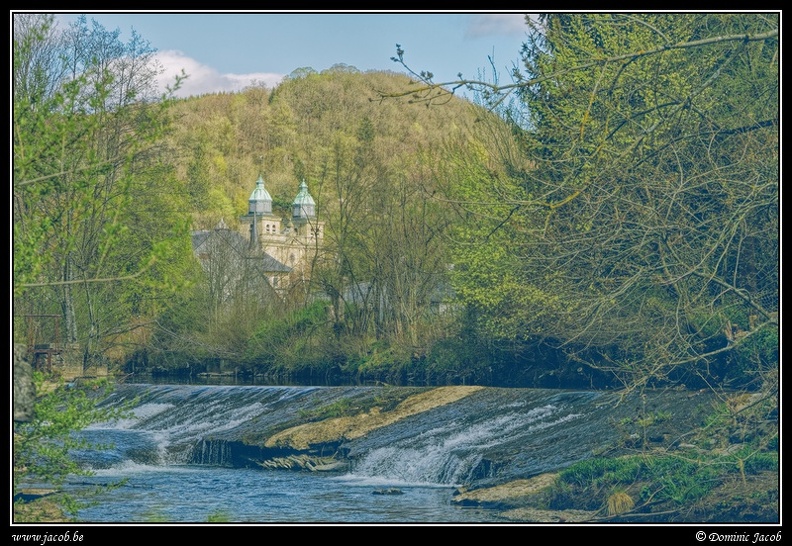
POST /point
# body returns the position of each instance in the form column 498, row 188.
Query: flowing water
column 180, row 460
column 198, row 494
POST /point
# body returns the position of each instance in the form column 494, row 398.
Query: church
column 280, row 250
column 292, row 241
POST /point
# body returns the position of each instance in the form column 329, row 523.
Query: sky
column 228, row 51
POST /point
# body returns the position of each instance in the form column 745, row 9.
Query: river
column 178, row 457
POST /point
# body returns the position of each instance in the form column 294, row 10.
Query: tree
column 237, row 291
column 385, row 246
column 96, row 235
column 44, row 446
column 98, row 240
column 647, row 219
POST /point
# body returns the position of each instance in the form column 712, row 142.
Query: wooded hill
column 378, row 170
column 610, row 217
column 309, row 127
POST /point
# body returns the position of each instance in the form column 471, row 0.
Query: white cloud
column 489, row 24
column 205, row 79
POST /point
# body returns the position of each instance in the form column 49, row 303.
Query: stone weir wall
column 478, row 436
column 502, row 448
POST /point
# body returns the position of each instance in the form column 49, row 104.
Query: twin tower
column 292, row 241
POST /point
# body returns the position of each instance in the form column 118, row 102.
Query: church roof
column 260, row 193
column 303, row 206
column 204, row 240
column 303, row 197
column 269, row 263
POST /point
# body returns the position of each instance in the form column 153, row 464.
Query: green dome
column 303, row 206
column 260, row 201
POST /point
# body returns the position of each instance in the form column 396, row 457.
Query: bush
column 43, row 446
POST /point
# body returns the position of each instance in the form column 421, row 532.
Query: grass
column 671, row 478
column 218, row 516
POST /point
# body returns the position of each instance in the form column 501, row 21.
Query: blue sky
column 227, row 51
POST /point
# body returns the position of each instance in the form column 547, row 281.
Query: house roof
column 203, row 239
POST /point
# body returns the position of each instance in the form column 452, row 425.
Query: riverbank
column 753, row 500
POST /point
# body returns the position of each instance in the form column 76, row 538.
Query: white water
column 448, row 454
column 424, row 456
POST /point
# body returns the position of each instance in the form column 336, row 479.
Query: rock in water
column 388, row 491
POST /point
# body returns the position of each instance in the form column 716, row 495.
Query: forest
column 608, row 218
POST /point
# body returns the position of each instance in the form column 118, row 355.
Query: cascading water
column 186, row 450
column 453, row 453
column 182, row 424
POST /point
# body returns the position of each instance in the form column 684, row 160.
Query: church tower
column 292, row 241
column 260, row 217
column 304, row 216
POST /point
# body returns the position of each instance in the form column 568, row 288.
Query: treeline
column 608, row 218
column 100, row 239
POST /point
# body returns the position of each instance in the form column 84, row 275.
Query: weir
column 489, row 436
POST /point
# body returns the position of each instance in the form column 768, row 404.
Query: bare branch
column 422, row 93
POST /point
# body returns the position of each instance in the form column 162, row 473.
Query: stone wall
column 24, row 390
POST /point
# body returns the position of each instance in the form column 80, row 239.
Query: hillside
column 380, row 172
column 302, row 129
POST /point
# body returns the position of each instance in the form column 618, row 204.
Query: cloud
column 204, row 79
column 490, row 24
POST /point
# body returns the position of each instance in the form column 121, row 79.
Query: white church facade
column 279, row 251
column 295, row 241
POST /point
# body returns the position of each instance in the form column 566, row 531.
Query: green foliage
column 98, row 236
column 342, row 407
column 43, row 447
column 383, row 357
column 600, row 471
column 488, row 272
column 461, row 359
column 747, row 420
column 657, row 479
column 642, row 213
column 677, row 480
column 218, row 516
column 736, row 443
column 291, row 340
column 753, row 462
